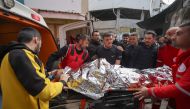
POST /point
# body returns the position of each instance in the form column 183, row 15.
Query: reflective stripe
column 182, row 68
column 159, row 61
column 181, row 89
column 152, row 91
column 178, row 76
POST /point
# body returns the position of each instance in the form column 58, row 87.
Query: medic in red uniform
column 180, row 90
column 72, row 55
column 74, row 59
column 167, row 54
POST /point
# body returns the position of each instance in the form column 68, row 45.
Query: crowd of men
column 130, row 52
column 23, row 72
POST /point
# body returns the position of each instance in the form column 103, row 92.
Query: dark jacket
column 92, row 47
column 124, row 45
column 146, row 57
column 130, row 56
column 11, row 46
column 116, row 42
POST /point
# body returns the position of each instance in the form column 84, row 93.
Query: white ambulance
column 14, row 16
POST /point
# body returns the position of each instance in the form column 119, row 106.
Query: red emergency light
column 35, row 17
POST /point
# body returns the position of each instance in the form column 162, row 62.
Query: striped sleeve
column 179, row 89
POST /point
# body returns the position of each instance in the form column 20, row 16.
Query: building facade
column 121, row 16
column 60, row 12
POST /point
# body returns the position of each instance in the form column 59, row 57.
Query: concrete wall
column 112, row 23
column 56, row 5
column 105, row 4
column 182, row 15
column 125, row 25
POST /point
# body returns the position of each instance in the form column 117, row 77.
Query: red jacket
column 166, row 55
column 180, row 91
column 73, row 59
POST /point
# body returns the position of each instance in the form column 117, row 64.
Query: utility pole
column 117, row 21
column 141, row 30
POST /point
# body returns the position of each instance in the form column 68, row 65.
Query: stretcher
column 113, row 99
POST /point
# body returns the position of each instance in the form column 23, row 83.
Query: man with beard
column 167, row 53
column 147, row 52
column 180, row 90
column 72, row 55
column 125, row 40
column 161, row 41
column 131, row 52
column 115, row 40
column 22, row 75
column 94, row 43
